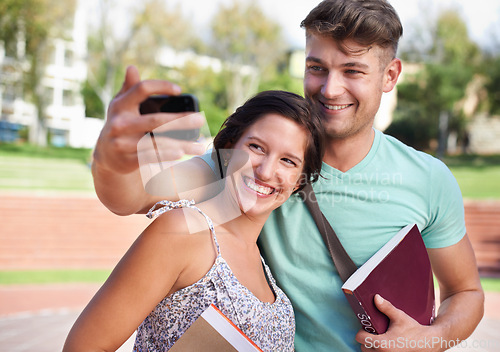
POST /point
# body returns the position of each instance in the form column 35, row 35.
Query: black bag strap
column 344, row 264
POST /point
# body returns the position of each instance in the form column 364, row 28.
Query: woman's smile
column 258, row 187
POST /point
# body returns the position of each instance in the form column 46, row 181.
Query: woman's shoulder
column 184, row 241
column 180, row 224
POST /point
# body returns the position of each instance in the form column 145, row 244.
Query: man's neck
column 345, row 153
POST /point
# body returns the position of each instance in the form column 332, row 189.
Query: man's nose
column 333, row 86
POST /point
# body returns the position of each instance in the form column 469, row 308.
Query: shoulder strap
column 344, row 264
column 165, row 205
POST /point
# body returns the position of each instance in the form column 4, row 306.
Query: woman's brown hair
column 289, row 105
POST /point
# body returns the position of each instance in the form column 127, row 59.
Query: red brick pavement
column 482, row 219
column 31, row 299
column 57, row 232
column 42, row 232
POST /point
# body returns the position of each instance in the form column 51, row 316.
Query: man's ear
column 391, row 74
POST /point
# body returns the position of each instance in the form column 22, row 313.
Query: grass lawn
column 31, row 168
column 52, row 276
column 477, row 176
column 491, row 284
column 80, row 154
column 45, row 169
column 479, row 184
column 22, row 277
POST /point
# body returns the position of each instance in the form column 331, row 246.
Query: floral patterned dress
column 270, row 325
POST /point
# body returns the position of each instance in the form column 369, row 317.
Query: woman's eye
column 256, row 147
column 290, row 162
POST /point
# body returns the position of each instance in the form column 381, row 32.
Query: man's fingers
column 167, row 149
column 169, row 146
column 162, row 122
column 141, row 90
column 132, row 77
column 388, row 309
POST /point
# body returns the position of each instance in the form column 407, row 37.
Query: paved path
column 37, row 318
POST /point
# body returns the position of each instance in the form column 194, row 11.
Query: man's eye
column 352, row 72
column 316, row 68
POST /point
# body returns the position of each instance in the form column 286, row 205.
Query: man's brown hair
column 367, row 22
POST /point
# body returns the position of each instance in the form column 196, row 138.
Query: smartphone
column 172, row 103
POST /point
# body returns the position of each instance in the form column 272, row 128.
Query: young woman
column 195, row 255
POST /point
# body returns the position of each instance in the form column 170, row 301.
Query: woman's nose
column 265, row 169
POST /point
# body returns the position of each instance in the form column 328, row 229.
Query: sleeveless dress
column 270, row 325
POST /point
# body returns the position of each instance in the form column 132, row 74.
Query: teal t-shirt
column 393, row 186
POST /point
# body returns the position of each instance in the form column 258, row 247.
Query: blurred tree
column 136, row 43
column 450, row 63
column 93, row 104
column 249, row 43
column 491, row 70
column 206, row 84
column 26, row 28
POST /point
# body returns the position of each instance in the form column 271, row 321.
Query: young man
column 373, row 185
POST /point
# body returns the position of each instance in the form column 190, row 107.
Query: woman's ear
column 297, row 186
column 226, row 156
column 227, row 152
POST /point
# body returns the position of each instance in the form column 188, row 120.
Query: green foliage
column 207, row 85
column 411, row 123
column 282, row 80
column 491, row 70
column 441, row 83
column 244, row 35
column 36, row 20
column 250, row 45
column 94, row 106
column 451, row 42
column 34, row 23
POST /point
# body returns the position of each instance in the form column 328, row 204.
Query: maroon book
column 401, row 273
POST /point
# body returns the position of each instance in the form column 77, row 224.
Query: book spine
column 363, row 317
column 257, row 348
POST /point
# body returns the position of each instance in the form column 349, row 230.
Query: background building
column 61, row 83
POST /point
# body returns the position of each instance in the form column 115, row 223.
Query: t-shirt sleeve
column 446, row 224
column 208, row 158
